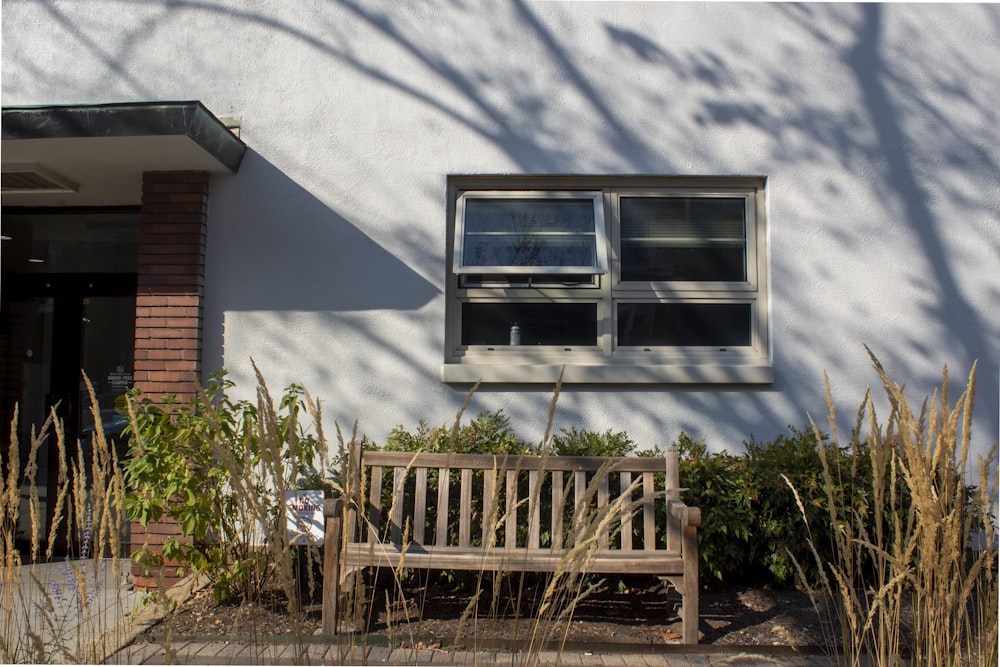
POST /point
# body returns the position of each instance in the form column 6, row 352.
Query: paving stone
column 357, row 655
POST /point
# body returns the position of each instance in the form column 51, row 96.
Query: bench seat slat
column 505, row 560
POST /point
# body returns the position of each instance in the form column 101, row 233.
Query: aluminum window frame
column 609, row 363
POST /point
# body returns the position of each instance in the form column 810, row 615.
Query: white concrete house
column 695, row 210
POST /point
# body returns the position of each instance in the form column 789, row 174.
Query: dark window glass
column 684, row 324
column 527, row 280
column 683, row 238
column 71, row 242
column 529, row 324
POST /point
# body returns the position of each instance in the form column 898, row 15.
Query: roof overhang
column 94, row 155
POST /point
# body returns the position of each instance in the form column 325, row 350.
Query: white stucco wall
column 875, row 125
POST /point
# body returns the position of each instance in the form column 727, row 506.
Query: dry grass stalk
column 914, row 588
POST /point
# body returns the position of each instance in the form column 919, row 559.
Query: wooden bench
column 513, row 514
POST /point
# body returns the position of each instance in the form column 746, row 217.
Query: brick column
column 168, row 317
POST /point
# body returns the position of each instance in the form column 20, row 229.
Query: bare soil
column 438, row 616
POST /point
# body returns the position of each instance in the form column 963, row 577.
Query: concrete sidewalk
column 263, row 653
column 76, row 610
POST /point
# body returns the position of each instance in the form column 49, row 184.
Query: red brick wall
column 168, row 317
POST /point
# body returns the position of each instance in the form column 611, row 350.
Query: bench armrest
column 333, row 507
column 688, row 516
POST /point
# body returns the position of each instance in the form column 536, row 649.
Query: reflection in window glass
column 573, row 324
column 529, row 232
column 695, row 324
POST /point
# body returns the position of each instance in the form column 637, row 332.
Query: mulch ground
column 440, row 616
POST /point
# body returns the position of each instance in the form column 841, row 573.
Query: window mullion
column 606, row 311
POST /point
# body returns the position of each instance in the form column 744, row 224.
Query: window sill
column 607, row 374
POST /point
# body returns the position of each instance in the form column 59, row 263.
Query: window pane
column 529, row 232
column 536, row 324
column 703, row 324
column 60, row 242
column 683, row 238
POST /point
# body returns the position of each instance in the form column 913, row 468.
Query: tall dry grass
column 922, row 583
column 62, row 609
column 71, row 609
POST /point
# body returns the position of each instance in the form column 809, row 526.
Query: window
column 614, row 280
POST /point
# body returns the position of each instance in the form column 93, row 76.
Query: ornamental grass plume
column 922, row 584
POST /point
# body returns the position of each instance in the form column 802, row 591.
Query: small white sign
column 305, row 517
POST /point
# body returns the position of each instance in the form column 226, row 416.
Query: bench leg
column 331, row 575
column 689, row 608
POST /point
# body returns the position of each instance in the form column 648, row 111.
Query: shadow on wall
column 293, row 253
column 284, row 250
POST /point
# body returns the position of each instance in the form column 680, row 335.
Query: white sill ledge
column 612, row 374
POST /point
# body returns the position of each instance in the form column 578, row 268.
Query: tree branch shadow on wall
column 798, row 130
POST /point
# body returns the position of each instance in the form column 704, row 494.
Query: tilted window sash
column 529, row 232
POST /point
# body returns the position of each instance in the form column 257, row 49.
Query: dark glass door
column 61, row 319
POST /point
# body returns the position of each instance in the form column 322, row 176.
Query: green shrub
column 752, row 528
column 719, row 484
column 217, row 467
column 780, row 537
column 580, row 442
column 488, row 433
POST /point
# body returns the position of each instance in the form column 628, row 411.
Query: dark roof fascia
column 142, row 119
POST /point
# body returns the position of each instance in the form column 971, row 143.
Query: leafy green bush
column 719, row 484
column 752, row 527
column 488, row 433
column 215, row 466
column 580, row 442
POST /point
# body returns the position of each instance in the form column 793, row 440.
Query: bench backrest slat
column 558, row 505
column 420, row 505
column 553, row 491
column 603, row 494
column 490, row 508
column 465, row 515
column 375, row 503
column 510, row 527
column 396, row 511
column 648, row 512
column 625, row 486
column 441, row 531
column 534, row 509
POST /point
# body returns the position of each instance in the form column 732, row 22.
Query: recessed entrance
column 68, row 308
